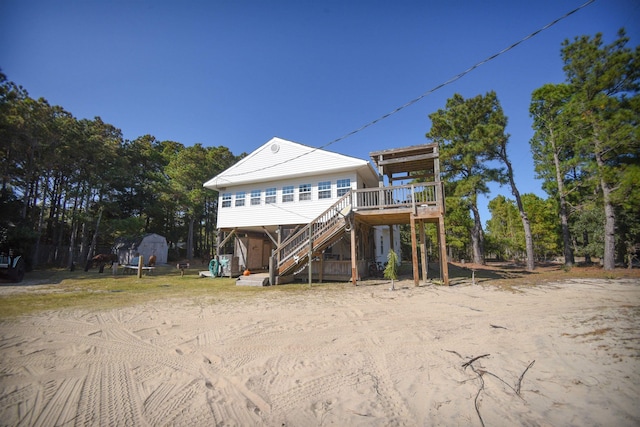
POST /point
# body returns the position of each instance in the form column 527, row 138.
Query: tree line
column 586, row 150
column 71, row 186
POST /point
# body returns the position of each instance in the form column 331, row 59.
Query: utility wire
column 429, row 92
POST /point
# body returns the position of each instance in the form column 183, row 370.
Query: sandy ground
column 553, row 355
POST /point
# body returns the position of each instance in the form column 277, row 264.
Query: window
column 270, row 196
column 287, row 194
column 324, row 190
column 255, row 197
column 304, row 192
column 226, row 200
column 240, row 198
column 344, row 185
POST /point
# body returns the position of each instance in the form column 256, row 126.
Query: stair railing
column 321, row 230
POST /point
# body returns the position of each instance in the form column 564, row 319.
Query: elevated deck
column 396, row 204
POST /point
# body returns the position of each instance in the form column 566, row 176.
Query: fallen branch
column 498, row 327
column 475, row 401
column 503, row 382
column 481, row 372
column 456, row 353
column 521, row 377
column 464, row 365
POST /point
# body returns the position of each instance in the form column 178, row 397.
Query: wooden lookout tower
column 414, row 195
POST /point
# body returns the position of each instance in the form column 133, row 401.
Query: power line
column 430, row 91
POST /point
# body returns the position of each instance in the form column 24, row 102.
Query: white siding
column 382, row 240
column 279, row 213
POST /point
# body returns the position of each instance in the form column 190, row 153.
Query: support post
column 414, row 252
column 218, row 243
column 423, row 252
column 140, row 264
column 310, row 256
column 279, row 231
column 354, row 260
column 272, row 269
column 442, row 244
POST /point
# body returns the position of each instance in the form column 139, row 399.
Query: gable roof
column 282, row 159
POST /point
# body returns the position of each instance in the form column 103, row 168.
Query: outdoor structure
column 410, row 202
column 287, row 203
column 150, row 244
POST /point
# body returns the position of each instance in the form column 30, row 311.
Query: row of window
column 287, row 195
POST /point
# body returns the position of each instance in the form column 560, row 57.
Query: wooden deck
column 413, row 204
column 396, row 204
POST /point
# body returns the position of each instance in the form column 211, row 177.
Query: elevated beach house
column 287, row 204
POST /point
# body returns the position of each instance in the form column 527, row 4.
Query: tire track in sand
column 109, row 397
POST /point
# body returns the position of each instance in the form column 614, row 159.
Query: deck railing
column 399, row 196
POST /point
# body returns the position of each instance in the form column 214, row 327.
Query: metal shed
column 150, row 244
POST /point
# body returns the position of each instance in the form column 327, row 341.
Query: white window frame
column 288, row 194
column 324, row 190
column 240, row 199
column 343, row 186
column 304, row 192
column 270, row 196
column 255, row 197
column 226, row 200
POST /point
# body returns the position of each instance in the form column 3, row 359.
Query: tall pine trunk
column 36, row 252
column 477, row 237
column 74, row 234
column 608, row 262
column 94, row 240
column 190, row 239
column 569, row 260
column 528, row 238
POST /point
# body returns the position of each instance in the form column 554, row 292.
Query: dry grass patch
column 511, row 276
column 58, row 289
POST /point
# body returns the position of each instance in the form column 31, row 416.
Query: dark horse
column 100, row 260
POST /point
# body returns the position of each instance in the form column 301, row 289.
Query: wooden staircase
column 319, row 234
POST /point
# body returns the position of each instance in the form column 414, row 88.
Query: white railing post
column 413, row 199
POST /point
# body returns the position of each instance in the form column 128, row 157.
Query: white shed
column 150, row 244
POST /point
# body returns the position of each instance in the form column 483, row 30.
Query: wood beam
column 442, row 243
column 274, row 241
column 407, row 176
column 423, row 252
column 354, row 261
column 310, row 258
column 414, row 252
column 406, row 159
column 226, row 239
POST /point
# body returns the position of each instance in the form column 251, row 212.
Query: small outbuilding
column 128, row 249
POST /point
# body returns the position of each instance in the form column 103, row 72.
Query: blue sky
column 236, row 73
